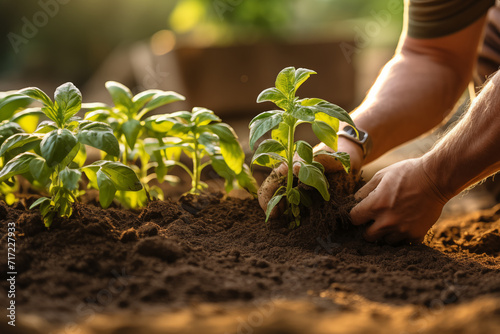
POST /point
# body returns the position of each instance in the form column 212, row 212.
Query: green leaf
column 12, row 103
column 37, row 94
column 25, row 140
column 333, row 111
column 101, row 138
column 272, row 203
column 39, row 170
column 209, row 142
column 131, row 129
column 223, row 170
column 275, row 158
column 332, row 121
column 28, row 119
column 325, row 133
column 244, row 179
column 155, row 124
column 301, row 75
column 123, row 177
column 98, row 115
column 281, row 134
column 68, row 101
column 303, row 113
column 285, row 81
column 46, row 127
column 310, row 102
column 70, row 178
column 72, row 155
column 142, row 98
column 160, row 99
column 18, row 165
column 247, row 181
column 107, row 189
column 312, row 176
column 268, row 146
column 121, row 96
column 39, row 201
column 305, row 199
column 273, row 95
column 343, row 157
column 305, row 151
column 230, row 147
column 96, row 106
column 8, row 129
column 260, row 125
column 57, row 145
column 318, row 165
column 293, row 196
column 202, row 116
column 184, row 115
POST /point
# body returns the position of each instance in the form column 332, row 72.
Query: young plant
column 54, row 155
column 14, row 118
column 137, row 142
column 201, row 134
column 14, row 108
column 324, row 118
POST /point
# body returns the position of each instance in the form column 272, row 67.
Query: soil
column 210, row 264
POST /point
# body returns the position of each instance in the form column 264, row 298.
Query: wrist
column 358, row 137
column 443, row 189
column 355, row 152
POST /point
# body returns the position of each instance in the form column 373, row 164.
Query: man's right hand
column 272, row 182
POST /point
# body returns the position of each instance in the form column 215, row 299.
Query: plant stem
column 125, row 154
column 289, row 181
column 196, row 167
column 180, row 164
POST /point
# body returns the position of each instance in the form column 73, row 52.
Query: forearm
column 471, row 150
column 410, row 97
column 417, row 88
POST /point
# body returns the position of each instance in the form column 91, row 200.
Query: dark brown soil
column 172, row 258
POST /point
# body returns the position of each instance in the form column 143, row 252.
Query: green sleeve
column 436, row 18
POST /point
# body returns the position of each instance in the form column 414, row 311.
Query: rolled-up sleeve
column 436, row 18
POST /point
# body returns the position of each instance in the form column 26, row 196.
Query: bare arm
column 404, row 200
column 470, row 152
column 418, row 87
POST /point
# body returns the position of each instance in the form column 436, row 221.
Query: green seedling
column 137, row 141
column 14, row 108
column 54, row 155
column 324, row 118
column 200, row 134
column 14, row 118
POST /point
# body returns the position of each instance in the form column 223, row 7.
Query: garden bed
column 210, row 264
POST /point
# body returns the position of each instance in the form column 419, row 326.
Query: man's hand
column 271, row 184
column 400, row 203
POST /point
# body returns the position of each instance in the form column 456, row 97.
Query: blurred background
column 220, row 54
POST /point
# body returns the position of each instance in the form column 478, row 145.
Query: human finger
column 368, row 187
column 377, row 231
column 363, row 212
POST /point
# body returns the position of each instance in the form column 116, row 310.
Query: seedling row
column 47, row 146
